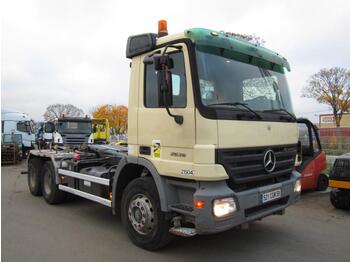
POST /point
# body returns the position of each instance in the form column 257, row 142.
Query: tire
column 322, row 182
column 50, row 191
column 34, row 176
column 145, row 223
column 340, row 198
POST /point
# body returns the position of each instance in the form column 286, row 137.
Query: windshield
column 227, row 79
column 74, row 127
column 99, row 128
column 25, row 126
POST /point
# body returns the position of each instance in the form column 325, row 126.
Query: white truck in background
column 72, row 131
column 14, row 122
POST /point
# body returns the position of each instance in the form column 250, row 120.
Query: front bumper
column 249, row 203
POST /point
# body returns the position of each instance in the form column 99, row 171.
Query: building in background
column 328, row 131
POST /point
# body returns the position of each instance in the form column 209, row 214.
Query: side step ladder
column 93, row 179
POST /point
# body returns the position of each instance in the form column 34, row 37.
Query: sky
column 74, row 51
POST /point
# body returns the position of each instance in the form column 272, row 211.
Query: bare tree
column 58, row 110
column 331, row 87
column 254, row 39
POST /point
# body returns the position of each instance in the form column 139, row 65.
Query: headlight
column 297, row 186
column 224, row 207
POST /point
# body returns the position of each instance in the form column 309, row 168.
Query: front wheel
column 146, row 224
column 322, row 183
column 340, row 198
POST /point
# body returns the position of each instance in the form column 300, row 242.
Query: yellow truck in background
column 100, row 129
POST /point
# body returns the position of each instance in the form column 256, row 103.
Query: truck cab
column 218, row 114
column 214, row 113
column 101, row 132
column 69, row 131
column 17, row 123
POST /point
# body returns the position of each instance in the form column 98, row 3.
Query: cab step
column 183, row 231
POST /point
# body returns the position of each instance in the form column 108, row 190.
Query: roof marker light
column 162, row 28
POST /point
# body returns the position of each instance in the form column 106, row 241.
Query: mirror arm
column 178, row 118
column 173, row 46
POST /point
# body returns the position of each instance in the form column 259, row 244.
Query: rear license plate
column 272, row 195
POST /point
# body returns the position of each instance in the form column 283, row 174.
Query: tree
column 254, row 39
column 331, row 87
column 57, row 110
column 117, row 117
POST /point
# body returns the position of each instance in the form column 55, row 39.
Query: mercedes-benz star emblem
column 269, row 161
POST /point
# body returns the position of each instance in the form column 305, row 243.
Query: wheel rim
column 141, row 214
column 47, row 183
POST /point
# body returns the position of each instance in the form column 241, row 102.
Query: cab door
column 313, row 159
column 167, row 144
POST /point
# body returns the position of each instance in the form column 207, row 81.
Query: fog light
column 224, row 207
column 297, row 187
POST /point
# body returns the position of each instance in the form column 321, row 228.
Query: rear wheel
column 340, row 198
column 322, row 183
column 50, row 190
column 34, row 176
column 146, row 225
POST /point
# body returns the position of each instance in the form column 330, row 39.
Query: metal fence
column 328, row 137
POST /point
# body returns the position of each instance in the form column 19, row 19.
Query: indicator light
column 76, row 156
column 199, row 204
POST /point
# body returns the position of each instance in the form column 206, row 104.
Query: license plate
column 272, row 195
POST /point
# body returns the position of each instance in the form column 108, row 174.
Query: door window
column 22, row 127
column 315, row 142
column 178, row 82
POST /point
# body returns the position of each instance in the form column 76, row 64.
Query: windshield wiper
column 282, row 110
column 238, row 104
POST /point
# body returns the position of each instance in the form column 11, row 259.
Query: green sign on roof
column 211, row 38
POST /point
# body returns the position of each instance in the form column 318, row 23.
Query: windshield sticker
column 260, row 87
column 207, row 89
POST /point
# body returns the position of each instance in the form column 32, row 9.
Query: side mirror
column 165, row 88
column 163, row 64
column 49, row 127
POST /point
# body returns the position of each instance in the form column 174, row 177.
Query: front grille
column 246, row 170
column 341, row 169
column 75, row 140
column 257, row 209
